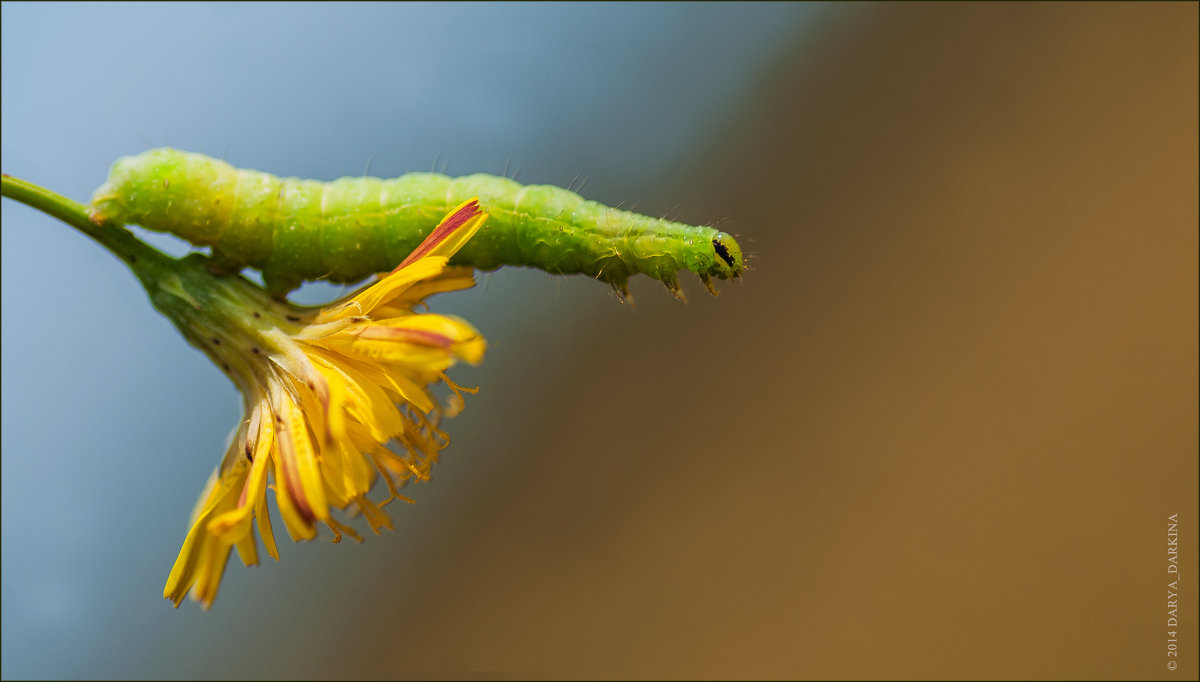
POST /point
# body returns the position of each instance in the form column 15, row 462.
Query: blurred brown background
column 936, row 432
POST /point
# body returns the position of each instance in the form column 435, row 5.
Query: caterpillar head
column 727, row 261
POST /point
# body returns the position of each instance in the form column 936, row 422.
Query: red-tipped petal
column 456, row 219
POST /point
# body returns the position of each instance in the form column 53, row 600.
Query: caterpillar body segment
column 342, row 231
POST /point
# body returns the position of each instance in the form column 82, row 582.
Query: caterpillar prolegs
column 342, row 231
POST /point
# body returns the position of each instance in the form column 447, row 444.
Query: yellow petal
column 299, row 526
column 453, row 278
column 234, row 526
column 208, row 497
column 394, row 378
column 200, row 549
column 210, row 570
column 335, row 411
column 425, row 262
column 471, row 350
column 304, row 451
column 247, row 550
column 262, row 516
column 347, row 473
column 365, row 400
column 439, row 328
column 291, row 445
column 384, row 290
column 423, row 342
column 451, row 233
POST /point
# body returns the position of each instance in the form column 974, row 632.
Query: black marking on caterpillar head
column 723, row 252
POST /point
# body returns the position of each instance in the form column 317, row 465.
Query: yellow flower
column 324, row 391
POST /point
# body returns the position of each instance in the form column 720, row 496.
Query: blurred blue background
column 935, row 432
column 111, row 423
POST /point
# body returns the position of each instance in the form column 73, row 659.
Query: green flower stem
column 228, row 318
column 143, row 259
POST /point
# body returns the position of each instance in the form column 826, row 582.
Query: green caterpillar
column 342, row 231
